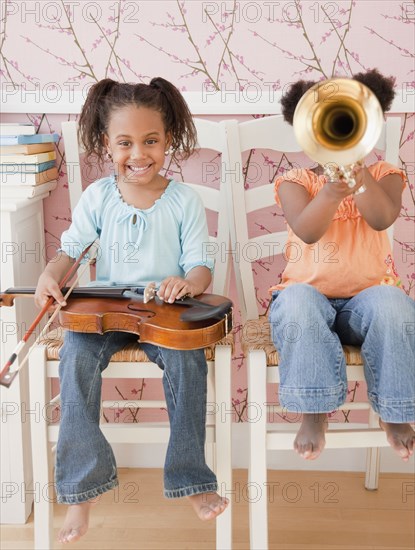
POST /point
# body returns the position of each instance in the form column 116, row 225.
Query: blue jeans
column 308, row 331
column 85, row 463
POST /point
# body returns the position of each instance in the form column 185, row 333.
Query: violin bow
column 7, row 377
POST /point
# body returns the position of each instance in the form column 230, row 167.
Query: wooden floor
column 307, row 510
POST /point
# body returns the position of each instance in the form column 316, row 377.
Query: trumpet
column 337, row 123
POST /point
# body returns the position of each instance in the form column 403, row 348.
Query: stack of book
column 27, row 161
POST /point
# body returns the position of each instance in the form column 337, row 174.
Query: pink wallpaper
column 52, row 46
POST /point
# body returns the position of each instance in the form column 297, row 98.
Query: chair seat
column 256, row 335
column 130, row 354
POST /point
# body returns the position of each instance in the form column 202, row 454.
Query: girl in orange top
column 340, row 286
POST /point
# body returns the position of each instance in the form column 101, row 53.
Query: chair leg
column 39, row 397
column 210, row 447
column 223, row 436
column 257, row 473
column 372, row 457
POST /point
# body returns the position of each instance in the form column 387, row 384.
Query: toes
column 207, row 513
column 304, row 450
column 309, row 451
column 69, row 536
column 402, row 452
column 221, row 505
column 213, row 509
column 400, row 447
column 306, row 454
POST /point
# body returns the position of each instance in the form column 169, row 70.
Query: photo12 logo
column 284, row 11
column 48, row 92
column 54, row 11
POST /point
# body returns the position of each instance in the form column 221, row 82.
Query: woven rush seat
column 257, row 335
column 131, row 353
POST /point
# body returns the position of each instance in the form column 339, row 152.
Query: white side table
column 22, row 261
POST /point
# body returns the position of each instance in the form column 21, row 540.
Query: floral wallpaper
column 50, row 46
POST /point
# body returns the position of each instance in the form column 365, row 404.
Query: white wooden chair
column 133, row 363
column 262, row 358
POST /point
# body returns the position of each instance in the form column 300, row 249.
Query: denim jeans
column 308, row 331
column 85, row 463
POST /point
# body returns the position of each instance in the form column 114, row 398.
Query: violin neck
column 87, row 291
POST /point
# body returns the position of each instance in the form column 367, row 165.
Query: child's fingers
column 40, row 299
column 53, row 307
column 181, row 290
column 55, row 293
column 184, row 291
column 172, row 288
column 162, row 289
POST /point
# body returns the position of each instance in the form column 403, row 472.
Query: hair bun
column 290, row 99
column 381, row 86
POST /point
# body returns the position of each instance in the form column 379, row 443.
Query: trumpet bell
column 338, row 121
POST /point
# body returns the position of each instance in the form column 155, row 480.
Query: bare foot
column 400, row 437
column 310, row 439
column 76, row 522
column 208, row 505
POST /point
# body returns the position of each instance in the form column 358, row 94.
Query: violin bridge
column 149, row 292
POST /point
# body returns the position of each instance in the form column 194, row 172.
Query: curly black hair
column 290, row 99
column 381, row 86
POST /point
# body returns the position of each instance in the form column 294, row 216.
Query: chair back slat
column 72, row 153
column 268, row 133
column 392, row 133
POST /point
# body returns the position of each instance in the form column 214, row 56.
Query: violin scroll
column 7, row 300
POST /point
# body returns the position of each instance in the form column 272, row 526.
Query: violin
column 188, row 323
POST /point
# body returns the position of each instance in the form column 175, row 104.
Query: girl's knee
column 191, row 360
column 391, row 304
column 295, row 301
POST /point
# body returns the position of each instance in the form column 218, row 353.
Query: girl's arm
column 199, row 278
column 308, row 217
column 195, row 282
column 381, row 203
column 48, row 284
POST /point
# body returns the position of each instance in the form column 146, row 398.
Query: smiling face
column 137, row 142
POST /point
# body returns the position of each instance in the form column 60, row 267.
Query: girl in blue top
column 150, row 229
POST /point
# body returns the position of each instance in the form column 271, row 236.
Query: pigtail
column 178, row 121
column 94, row 116
column 381, row 86
column 291, row 98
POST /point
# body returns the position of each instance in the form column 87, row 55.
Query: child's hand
column 174, row 288
column 46, row 287
column 340, row 189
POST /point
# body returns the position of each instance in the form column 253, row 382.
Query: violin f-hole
column 145, row 312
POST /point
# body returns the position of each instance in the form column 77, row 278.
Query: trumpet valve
column 347, row 174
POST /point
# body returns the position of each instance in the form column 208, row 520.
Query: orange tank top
column 350, row 256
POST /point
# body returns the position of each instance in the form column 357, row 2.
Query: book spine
column 26, row 140
column 17, row 130
column 27, row 159
column 26, row 168
column 28, row 178
column 29, row 149
column 27, row 191
column 38, row 138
